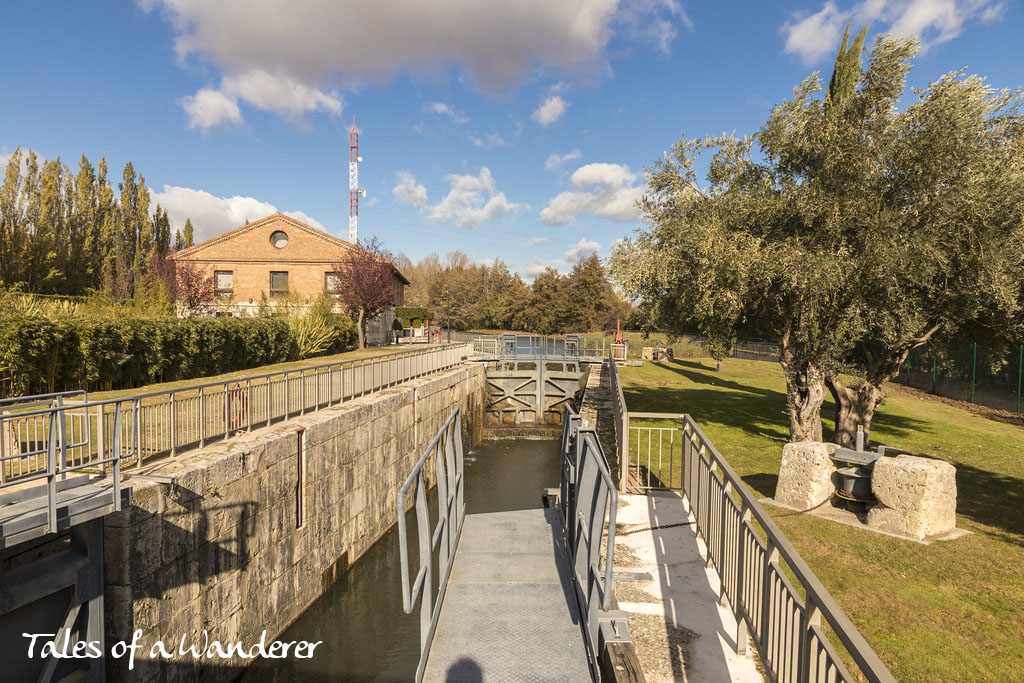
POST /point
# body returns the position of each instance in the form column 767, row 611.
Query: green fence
column 989, row 375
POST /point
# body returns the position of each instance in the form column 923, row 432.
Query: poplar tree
column 187, row 235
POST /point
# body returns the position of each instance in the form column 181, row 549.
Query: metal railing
column 749, row 552
column 173, row 421
column 620, row 416
column 566, row 346
column 446, row 449
column 587, row 503
column 52, row 457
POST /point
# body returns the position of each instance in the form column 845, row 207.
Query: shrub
column 40, row 354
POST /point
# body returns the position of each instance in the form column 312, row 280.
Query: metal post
column 974, row 370
column 174, row 427
column 202, row 417
column 62, row 431
column 136, row 432
column 270, row 404
column 101, row 420
column 448, row 305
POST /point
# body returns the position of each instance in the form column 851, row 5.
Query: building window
column 279, row 238
column 332, row 283
column 278, row 283
column 224, row 282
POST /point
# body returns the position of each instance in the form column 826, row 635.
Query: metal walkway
column 520, row 594
column 510, row 612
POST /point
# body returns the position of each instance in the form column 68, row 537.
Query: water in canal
column 366, row 635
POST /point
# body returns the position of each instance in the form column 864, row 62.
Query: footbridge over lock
column 531, row 379
column 521, row 594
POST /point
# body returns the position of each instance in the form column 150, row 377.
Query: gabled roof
column 189, row 251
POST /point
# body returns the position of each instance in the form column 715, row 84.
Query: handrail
column 190, row 417
column 588, row 501
column 540, row 346
column 785, row 628
column 14, row 400
column 446, row 447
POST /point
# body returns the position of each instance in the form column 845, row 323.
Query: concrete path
column 510, row 613
column 680, row 631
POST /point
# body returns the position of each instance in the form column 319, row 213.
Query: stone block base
column 805, row 477
column 656, row 353
column 916, row 496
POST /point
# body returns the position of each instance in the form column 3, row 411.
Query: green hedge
column 413, row 316
column 41, row 354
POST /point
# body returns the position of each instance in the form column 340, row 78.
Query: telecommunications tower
column 354, row 191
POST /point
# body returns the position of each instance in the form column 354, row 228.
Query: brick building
column 276, row 257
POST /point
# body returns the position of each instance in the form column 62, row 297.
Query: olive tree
column 851, row 229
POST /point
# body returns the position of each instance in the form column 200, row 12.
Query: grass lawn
column 952, row 610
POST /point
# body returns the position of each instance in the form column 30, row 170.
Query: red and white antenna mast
column 354, row 192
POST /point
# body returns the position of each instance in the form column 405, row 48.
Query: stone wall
column 805, row 476
column 916, row 496
column 226, row 547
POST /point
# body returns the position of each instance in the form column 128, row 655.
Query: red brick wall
column 249, row 255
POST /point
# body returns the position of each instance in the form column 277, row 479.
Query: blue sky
column 513, row 129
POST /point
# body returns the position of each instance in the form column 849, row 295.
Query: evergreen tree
column 187, row 235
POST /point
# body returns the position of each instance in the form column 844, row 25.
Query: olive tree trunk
column 805, row 392
column 854, row 406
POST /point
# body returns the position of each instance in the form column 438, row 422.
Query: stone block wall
column 226, row 547
column 916, row 496
column 805, row 476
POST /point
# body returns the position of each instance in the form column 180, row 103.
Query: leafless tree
column 193, row 291
column 365, row 283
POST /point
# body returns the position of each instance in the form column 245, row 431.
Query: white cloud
column 280, row 93
column 492, row 139
column 212, row 215
column 371, row 202
column 654, row 21
column 325, row 41
column 812, row 37
column 580, row 250
column 446, row 109
column 471, row 201
column 533, row 241
column 993, row 12
column 555, row 161
column 209, row 109
column 408, row 191
column 534, row 268
column 550, row 110
column 301, row 216
column 604, row 190
column 277, row 93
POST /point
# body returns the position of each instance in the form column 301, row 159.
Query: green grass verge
column 952, row 610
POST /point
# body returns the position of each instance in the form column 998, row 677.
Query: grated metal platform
column 510, row 612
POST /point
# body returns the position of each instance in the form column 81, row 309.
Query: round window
column 279, row 239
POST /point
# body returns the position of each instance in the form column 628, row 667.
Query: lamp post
column 448, row 306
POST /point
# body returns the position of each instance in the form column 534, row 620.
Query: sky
column 510, row 129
